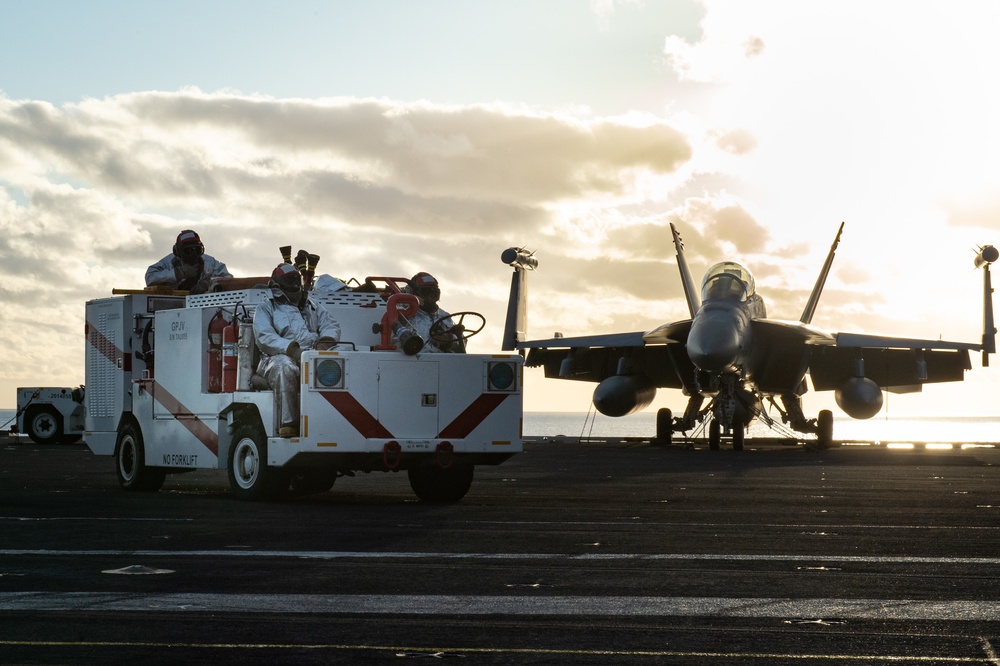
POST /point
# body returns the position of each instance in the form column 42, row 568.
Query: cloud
column 737, row 141
column 92, row 193
column 730, row 39
column 604, row 10
column 189, row 149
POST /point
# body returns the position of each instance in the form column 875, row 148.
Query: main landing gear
column 737, row 415
column 666, row 425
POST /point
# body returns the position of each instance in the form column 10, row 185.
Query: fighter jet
column 729, row 355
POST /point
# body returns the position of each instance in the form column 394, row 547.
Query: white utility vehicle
column 50, row 415
column 171, row 388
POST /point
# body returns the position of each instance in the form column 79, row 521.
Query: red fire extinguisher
column 215, row 333
column 230, row 358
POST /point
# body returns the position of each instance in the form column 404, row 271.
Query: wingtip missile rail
column 986, row 255
column 519, row 257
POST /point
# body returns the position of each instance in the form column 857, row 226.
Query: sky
column 397, row 136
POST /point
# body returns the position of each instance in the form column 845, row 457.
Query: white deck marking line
column 444, row 652
column 594, row 523
column 383, row 555
column 32, row 519
column 991, row 654
column 408, row 604
column 745, row 525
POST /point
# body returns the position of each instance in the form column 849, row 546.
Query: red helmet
column 287, row 278
column 425, row 286
column 188, row 246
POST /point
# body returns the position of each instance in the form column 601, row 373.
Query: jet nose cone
column 713, row 348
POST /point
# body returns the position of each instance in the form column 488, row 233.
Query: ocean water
column 967, row 429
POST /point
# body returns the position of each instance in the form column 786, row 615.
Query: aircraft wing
column 658, row 355
column 863, row 340
column 784, row 349
column 606, row 340
column 899, row 365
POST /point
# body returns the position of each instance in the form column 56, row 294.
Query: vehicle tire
column 130, row 461
column 44, row 425
column 250, row 477
column 664, row 427
column 824, row 429
column 313, row 481
column 433, row 484
column 739, row 436
column 714, row 434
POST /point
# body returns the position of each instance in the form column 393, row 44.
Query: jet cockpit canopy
column 727, row 281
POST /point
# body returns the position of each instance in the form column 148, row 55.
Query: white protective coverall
column 162, row 272
column 421, row 323
column 276, row 323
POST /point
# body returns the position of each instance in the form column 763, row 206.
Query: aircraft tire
column 824, row 429
column 130, row 456
column 44, row 425
column 664, row 427
column 250, row 477
column 439, row 486
column 739, row 436
column 714, row 435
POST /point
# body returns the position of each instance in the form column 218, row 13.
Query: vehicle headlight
column 501, row 375
column 329, row 373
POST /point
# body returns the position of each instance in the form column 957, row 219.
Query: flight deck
column 583, row 552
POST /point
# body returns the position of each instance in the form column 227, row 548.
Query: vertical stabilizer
column 810, row 310
column 516, row 325
column 690, row 292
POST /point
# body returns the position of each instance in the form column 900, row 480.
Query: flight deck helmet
column 189, row 246
column 288, row 279
column 426, row 288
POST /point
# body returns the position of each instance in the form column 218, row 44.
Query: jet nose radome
column 714, row 344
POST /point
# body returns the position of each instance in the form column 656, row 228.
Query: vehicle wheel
column 433, row 484
column 739, row 436
column 314, row 481
column 250, row 477
column 44, row 425
column 130, row 461
column 824, row 429
column 664, row 427
column 714, row 434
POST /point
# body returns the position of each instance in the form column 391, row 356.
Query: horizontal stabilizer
column 789, row 331
column 673, row 333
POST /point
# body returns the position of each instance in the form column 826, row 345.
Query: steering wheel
column 439, row 332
